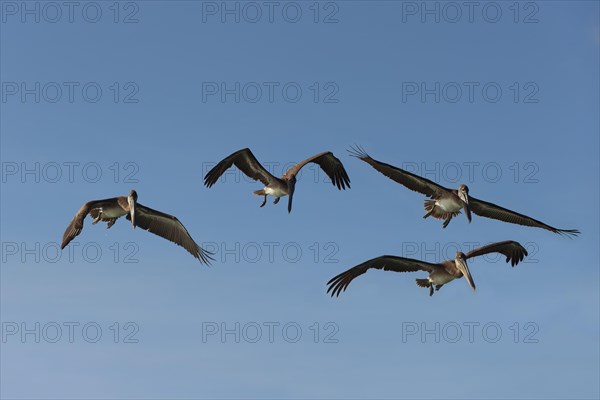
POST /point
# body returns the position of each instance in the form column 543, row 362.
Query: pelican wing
column 340, row 282
column 513, row 251
column 408, row 179
column 76, row 225
column 170, row 228
column 329, row 163
column 246, row 162
column 490, row 210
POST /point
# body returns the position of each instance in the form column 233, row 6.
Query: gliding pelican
column 439, row 274
column 447, row 203
column 278, row 187
column 159, row 223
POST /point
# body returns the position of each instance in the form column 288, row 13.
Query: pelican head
column 461, row 264
column 132, row 200
column 463, row 194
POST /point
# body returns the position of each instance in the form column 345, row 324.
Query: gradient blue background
column 171, row 133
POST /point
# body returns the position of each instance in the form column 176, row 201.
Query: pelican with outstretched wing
column 444, row 203
column 278, row 187
column 439, row 274
column 159, row 223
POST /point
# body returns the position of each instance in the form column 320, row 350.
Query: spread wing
column 340, row 282
column 408, row 179
column 490, row 210
column 170, row 228
column 76, row 225
column 329, row 163
column 246, row 162
column 513, row 251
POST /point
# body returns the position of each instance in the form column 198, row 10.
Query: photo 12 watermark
column 269, row 92
column 520, row 172
column 441, row 251
column 470, row 332
column 270, row 332
column 28, row 172
column 470, row 12
column 75, row 253
column 69, row 92
column 311, row 172
column 271, row 252
column 69, row 332
column 270, row 12
column 470, row 92
column 69, row 12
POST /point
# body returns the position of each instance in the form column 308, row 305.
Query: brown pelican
column 159, row 223
column 278, row 187
column 439, row 274
column 447, row 203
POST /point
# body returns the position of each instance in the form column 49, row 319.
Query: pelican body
column 278, row 187
column 159, row 223
column 448, row 204
column 439, row 273
column 110, row 210
column 446, row 272
column 444, row 203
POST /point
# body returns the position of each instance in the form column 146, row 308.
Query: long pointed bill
column 290, row 202
column 132, row 211
column 292, row 187
column 466, row 208
column 464, row 268
column 467, row 211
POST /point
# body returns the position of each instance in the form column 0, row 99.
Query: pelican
column 159, row 223
column 278, row 187
column 447, row 203
column 439, row 274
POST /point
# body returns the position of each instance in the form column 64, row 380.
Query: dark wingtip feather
column 357, row 151
column 570, row 233
column 333, row 289
column 329, row 290
column 336, row 285
column 207, row 257
column 212, row 176
column 207, row 179
column 342, row 181
column 204, row 256
column 70, row 234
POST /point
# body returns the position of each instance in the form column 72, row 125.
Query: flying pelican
column 278, row 187
column 439, row 274
column 159, row 223
column 447, row 203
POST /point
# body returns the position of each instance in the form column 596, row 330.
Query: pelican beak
column 291, row 187
column 461, row 264
column 131, row 202
column 465, row 198
column 467, row 210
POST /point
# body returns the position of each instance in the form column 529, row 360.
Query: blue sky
column 143, row 114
